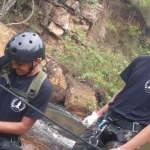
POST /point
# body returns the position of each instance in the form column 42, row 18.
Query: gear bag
column 33, row 88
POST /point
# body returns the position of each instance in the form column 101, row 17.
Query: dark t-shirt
column 11, row 108
column 133, row 101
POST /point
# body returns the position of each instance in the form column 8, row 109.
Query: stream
column 45, row 135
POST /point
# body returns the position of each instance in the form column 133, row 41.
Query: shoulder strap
column 34, row 86
column 6, row 69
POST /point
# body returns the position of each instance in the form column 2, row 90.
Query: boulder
column 80, row 99
column 56, row 72
column 55, row 29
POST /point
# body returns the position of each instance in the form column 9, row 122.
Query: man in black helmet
column 24, row 52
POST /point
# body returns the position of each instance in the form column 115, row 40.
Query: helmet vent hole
column 19, row 43
column 34, row 34
column 23, row 35
column 30, row 42
column 14, row 50
column 13, row 39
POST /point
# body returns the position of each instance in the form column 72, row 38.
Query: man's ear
column 37, row 60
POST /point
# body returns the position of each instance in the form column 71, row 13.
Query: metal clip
column 13, row 143
column 134, row 127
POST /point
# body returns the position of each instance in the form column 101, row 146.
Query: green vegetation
column 99, row 65
column 88, row 62
column 143, row 6
column 90, row 4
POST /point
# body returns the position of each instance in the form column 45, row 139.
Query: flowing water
column 45, row 135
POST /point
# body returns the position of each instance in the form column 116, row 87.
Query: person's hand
column 88, row 121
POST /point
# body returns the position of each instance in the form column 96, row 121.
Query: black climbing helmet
column 25, row 47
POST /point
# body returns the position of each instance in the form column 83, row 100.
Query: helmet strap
column 32, row 68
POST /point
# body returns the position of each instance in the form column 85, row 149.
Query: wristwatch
column 118, row 148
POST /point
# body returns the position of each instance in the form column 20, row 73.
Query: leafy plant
column 102, row 68
column 90, row 4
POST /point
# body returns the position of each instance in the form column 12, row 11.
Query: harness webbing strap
column 7, row 78
column 19, row 92
column 34, row 87
column 7, row 69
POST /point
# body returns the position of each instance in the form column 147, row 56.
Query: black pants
column 7, row 143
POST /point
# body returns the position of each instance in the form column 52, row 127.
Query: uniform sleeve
column 126, row 73
column 139, row 62
column 40, row 102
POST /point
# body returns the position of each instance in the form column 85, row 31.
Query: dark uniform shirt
column 11, row 108
column 133, row 102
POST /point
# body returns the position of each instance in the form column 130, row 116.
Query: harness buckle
column 31, row 93
column 134, row 127
column 13, row 142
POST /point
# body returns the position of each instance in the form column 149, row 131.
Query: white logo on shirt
column 17, row 105
column 147, row 86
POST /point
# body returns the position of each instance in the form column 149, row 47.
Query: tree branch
column 6, row 6
column 26, row 19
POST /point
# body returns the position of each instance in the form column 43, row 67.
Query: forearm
column 17, row 128
column 106, row 107
column 12, row 128
column 140, row 139
column 103, row 109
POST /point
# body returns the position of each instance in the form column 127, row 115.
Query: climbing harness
column 94, row 140
column 10, row 141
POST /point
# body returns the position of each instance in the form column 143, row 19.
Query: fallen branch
column 14, row 23
column 6, row 6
